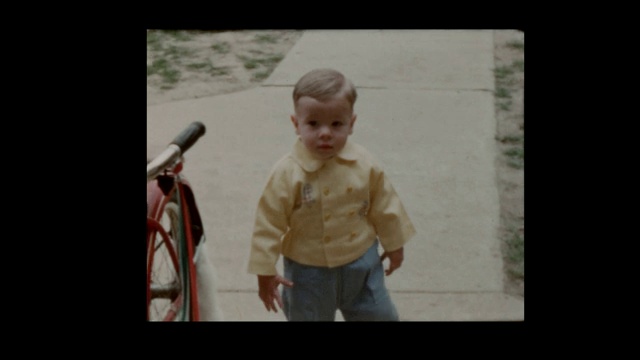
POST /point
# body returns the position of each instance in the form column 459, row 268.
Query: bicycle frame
column 166, row 184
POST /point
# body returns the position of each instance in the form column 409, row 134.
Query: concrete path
column 425, row 109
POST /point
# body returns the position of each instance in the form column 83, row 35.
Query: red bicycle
column 175, row 235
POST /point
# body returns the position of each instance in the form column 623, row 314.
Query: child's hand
column 268, row 290
column 395, row 259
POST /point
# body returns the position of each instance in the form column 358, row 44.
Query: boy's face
column 323, row 126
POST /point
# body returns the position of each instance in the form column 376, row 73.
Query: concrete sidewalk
column 425, row 109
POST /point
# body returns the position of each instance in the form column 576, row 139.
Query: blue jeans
column 356, row 289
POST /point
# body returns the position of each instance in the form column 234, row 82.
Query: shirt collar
column 310, row 163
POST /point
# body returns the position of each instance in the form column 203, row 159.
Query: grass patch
column 177, row 52
column 259, row 76
column 154, row 40
column 502, row 93
column 249, row 63
column 170, row 75
column 516, row 45
column 165, row 70
column 504, row 105
column 222, row 47
column 180, row 35
column 198, row 66
column 272, row 60
column 515, row 254
column 255, row 62
column 208, row 68
column 217, row 71
column 513, row 139
column 157, row 66
column 265, row 38
column 170, row 60
column 508, row 77
column 515, row 157
column 502, row 72
column 518, row 65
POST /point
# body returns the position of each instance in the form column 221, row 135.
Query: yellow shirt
column 326, row 212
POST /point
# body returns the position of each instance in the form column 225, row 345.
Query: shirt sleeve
column 387, row 213
column 271, row 223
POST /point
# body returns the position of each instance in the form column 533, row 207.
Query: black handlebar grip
column 189, row 136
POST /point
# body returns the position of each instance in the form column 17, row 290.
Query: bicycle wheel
column 167, row 285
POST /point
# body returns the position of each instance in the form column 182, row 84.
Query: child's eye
column 337, row 123
column 312, row 123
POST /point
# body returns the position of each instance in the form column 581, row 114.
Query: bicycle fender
column 196, row 222
column 154, row 199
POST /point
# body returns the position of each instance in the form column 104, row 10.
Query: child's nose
column 325, row 132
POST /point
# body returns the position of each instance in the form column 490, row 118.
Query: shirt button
column 327, row 238
column 327, row 217
column 325, row 191
column 349, row 189
column 353, row 234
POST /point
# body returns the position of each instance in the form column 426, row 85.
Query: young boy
column 325, row 207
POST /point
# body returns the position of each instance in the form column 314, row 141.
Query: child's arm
column 268, row 290
column 395, row 259
column 271, row 223
column 392, row 223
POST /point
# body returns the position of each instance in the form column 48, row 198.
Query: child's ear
column 295, row 124
column 353, row 121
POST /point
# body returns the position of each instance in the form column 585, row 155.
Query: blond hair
column 324, row 84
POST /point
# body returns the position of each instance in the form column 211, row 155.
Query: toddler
column 326, row 207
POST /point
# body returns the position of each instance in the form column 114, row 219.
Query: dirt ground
column 219, row 62
column 210, row 63
column 509, row 99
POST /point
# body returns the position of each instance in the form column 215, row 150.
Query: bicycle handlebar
column 189, row 136
column 175, row 149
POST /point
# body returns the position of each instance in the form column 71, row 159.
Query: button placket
column 327, row 191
